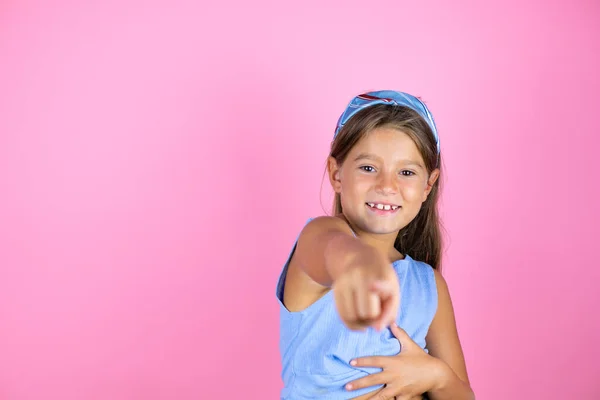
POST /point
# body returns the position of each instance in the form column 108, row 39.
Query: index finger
column 371, row 361
column 389, row 312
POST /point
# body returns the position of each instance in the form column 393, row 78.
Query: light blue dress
column 316, row 347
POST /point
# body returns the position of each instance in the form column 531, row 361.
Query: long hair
column 421, row 238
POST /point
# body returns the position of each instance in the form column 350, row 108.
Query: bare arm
column 364, row 284
column 326, row 247
column 444, row 344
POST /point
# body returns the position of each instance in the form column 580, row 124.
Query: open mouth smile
column 383, row 208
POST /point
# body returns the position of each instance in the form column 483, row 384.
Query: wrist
column 443, row 374
column 448, row 384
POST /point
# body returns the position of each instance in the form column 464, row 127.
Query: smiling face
column 382, row 182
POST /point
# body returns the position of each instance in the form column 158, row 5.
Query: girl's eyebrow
column 373, row 157
column 413, row 163
column 366, row 156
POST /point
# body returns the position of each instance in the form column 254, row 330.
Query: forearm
column 450, row 386
column 343, row 251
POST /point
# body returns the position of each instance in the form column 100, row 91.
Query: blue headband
column 388, row 97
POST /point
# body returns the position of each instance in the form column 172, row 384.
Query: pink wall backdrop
column 157, row 160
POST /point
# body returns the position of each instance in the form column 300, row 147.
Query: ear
column 433, row 177
column 334, row 171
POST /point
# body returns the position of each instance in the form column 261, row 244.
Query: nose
column 387, row 184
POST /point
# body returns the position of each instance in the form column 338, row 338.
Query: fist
column 367, row 297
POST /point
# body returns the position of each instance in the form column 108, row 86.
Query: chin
column 384, row 231
column 383, row 227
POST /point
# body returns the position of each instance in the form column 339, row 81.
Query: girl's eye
column 407, row 173
column 367, row 168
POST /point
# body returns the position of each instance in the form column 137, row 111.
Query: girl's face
column 382, row 182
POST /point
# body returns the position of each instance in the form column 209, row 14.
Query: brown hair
column 421, row 238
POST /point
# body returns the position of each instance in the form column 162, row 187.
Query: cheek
column 356, row 183
column 413, row 191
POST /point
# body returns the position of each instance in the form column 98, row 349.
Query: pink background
column 157, row 160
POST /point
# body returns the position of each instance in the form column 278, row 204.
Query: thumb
column 405, row 341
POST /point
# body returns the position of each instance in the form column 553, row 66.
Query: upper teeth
column 382, row 206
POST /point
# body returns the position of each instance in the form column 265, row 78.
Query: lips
column 383, row 206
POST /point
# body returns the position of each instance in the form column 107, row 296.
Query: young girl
column 365, row 312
